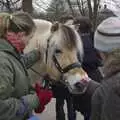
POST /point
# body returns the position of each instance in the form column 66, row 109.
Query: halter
column 47, row 82
column 60, row 69
column 48, row 41
column 66, row 69
column 57, row 65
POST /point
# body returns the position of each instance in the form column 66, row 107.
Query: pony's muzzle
column 78, row 89
column 77, row 84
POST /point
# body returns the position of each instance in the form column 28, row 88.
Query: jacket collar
column 8, row 48
column 5, row 46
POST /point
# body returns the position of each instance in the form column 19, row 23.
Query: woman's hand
column 44, row 96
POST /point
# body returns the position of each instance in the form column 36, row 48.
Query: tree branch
column 70, row 6
column 15, row 1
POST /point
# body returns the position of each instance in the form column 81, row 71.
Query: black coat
column 91, row 59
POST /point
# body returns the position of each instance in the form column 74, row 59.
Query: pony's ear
column 77, row 26
column 55, row 27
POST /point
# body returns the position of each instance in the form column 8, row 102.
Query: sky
column 41, row 5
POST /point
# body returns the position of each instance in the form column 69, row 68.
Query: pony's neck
column 41, row 35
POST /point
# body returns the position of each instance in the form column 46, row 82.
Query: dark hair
column 85, row 24
column 64, row 18
column 16, row 22
column 22, row 22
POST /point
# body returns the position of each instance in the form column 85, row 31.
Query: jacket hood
column 112, row 66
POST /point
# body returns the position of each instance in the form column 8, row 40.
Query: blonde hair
column 16, row 22
column 112, row 62
column 113, row 57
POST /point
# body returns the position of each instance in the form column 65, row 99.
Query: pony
column 59, row 45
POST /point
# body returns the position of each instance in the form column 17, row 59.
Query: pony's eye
column 58, row 51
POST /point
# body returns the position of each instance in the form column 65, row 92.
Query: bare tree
column 56, row 9
column 70, row 6
column 81, row 6
column 116, row 3
column 9, row 5
column 87, row 6
column 95, row 13
column 90, row 9
column 40, row 6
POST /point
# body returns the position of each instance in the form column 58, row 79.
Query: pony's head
column 60, row 46
column 63, row 47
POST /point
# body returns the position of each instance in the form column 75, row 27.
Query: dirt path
column 49, row 113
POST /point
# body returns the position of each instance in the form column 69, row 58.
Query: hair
column 69, row 37
column 64, row 18
column 85, row 24
column 16, row 22
column 112, row 61
column 115, row 53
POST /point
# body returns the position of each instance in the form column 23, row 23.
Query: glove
column 44, row 96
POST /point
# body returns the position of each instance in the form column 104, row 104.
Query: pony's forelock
column 65, row 35
column 79, row 45
column 72, row 39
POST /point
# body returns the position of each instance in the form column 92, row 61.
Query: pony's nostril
column 79, row 85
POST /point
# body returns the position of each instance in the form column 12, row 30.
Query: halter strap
column 48, row 41
column 66, row 69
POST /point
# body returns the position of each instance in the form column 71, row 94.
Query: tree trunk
column 81, row 7
column 27, row 6
column 8, row 6
column 95, row 13
column 70, row 6
column 90, row 9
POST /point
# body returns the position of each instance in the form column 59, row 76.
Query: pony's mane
column 41, row 34
column 72, row 39
column 69, row 37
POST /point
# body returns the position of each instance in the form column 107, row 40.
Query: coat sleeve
column 92, row 87
column 96, row 105
column 30, row 58
column 11, row 108
column 111, row 106
column 106, row 101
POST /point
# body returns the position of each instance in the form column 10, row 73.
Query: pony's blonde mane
column 68, row 37
column 65, row 33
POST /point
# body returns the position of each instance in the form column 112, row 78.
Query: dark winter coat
column 106, row 99
column 91, row 59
